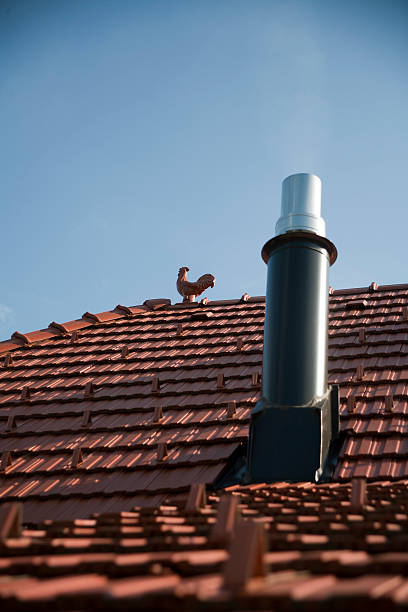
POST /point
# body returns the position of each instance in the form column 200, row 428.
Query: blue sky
column 138, row 137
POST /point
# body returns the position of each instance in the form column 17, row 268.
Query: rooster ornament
column 190, row 290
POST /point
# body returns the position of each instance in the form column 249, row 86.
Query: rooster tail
column 205, row 281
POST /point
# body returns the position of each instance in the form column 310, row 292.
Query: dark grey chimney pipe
column 296, row 420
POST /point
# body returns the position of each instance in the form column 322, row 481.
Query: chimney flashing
column 287, row 239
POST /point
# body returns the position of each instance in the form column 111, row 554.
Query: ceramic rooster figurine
column 190, row 290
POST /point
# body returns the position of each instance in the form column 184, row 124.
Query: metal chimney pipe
column 296, row 419
column 296, row 319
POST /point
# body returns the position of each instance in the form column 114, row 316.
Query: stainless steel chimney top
column 301, row 205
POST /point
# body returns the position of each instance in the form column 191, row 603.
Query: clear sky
column 141, row 136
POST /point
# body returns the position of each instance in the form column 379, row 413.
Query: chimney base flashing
column 293, row 443
column 290, row 236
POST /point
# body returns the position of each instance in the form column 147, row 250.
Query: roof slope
column 325, row 546
column 123, row 408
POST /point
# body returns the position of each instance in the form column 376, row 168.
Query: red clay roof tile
column 323, row 551
column 188, row 359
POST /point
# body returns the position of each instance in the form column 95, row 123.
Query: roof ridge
column 370, row 289
column 59, row 330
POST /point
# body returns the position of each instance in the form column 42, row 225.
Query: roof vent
column 25, row 394
column 6, row 461
column 351, row 404
column 220, row 381
column 200, row 316
column 157, row 414
column 77, row 458
column 362, row 336
column 89, row 389
column 301, row 205
column 389, row 403
column 240, row 344
column 231, row 409
column 162, row 452
column 356, row 305
column 8, row 361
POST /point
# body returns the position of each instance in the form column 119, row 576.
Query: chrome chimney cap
column 301, row 205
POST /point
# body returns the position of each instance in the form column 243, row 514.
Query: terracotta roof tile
column 193, row 370
column 319, row 548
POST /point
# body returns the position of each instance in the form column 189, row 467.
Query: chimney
column 296, row 420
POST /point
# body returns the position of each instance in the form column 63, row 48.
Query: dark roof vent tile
column 77, row 458
column 231, row 409
column 89, row 390
column 351, row 404
column 74, row 337
column 362, row 336
column 155, row 384
column 200, row 316
column 6, row 461
column 25, row 394
column 162, row 452
column 179, row 331
column 157, row 415
column 356, row 305
column 124, row 353
column 389, row 403
column 220, row 381
column 240, row 344
column 8, row 361
column 359, row 375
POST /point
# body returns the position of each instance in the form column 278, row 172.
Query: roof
column 125, row 407
column 109, row 423
column 307, row 547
